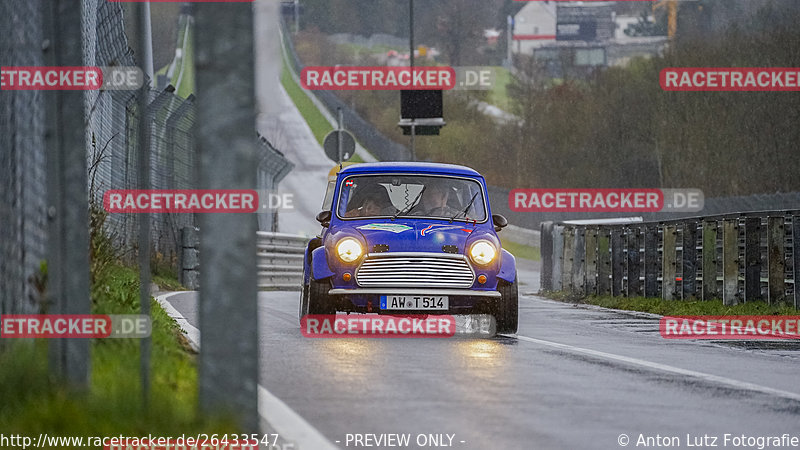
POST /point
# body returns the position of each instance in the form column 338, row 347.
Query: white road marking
column 736, row 384
column 289, row 425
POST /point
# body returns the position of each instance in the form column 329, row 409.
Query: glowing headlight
column 482, row 252
column 349, row 249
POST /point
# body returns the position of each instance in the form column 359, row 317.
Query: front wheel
column 319, row 302
column 506, row 309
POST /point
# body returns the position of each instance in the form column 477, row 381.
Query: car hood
column 415, row 235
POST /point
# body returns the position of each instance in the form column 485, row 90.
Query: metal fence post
column 569, row 259
column 579, row 262
column 546, row 249
column 229, row 359
column 633, row 262
column 796, row 258
column 68, row 248
column 651, row 260
column 558, row 256
column 730, row 261
column 689, row 260
column 591, row 260
column 776, row 265
column 617, row 261
column 603, row 261
column 669, row 259
column 709, row 260
column 752, row 259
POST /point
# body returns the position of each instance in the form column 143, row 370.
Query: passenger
column 374, row 202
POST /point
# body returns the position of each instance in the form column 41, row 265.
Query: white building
column 534, row 26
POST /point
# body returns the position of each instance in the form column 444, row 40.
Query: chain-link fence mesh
column 112, row 145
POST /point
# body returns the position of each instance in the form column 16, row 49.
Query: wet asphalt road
column 574, row 377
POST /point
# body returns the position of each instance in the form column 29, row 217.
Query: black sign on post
column 422, row 110
column 420, row 104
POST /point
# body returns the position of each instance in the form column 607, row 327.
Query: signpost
column 339, row 144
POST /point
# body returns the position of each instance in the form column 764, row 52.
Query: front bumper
column 417, row 291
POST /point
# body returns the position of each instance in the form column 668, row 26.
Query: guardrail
column 279, row 259
column 740, row 257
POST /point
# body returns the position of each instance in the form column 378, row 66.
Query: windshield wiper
column 410, row 206
column 464, row 212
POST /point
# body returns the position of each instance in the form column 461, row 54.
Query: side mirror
column 499, row 221
column 324, row 218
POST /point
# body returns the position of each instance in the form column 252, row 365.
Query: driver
column 434, row 200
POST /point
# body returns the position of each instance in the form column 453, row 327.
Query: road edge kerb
column 276, row 416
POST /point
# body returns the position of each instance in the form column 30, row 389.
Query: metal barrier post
column 546, row 250
column 591, row 260
column 669, row 257
column 569, row 259
column 776, row 265
column 579, row 262
column 603, row 261
column 709, row 290
column 651, row 260
column 730, row 261
column 558, row 256
column 689, row 260
column 633, row 262
column 752, row 259
column 796, row 258
column 617, row 262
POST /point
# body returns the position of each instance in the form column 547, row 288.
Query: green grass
column 186, row 87
column 316, row 121
column 34, row 403
column 499, row 94
column 522, row 250
column 676, row 307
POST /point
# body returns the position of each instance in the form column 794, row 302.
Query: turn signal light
column 347, row 276
column 481, row 279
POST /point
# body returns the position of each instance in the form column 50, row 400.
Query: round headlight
column 482, row 252
column 349, row 249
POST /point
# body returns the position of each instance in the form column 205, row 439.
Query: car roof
column 409, row 167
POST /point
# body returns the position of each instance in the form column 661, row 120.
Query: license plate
column 415, row 302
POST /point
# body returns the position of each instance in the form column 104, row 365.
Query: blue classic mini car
column 409, row 238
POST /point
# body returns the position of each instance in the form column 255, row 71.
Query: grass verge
column 522, row 250
column 33, row 402
column 676, row 307
column 316, row 121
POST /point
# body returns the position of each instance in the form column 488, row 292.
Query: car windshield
column 411, row 195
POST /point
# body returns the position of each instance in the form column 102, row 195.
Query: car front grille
column 415, row 270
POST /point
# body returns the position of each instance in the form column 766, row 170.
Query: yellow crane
column 672, row 15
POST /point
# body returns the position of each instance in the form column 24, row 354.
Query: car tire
column 318, row 301
column 303, row 303
column 506, row 310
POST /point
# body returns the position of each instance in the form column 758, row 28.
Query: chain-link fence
column 112, row 145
